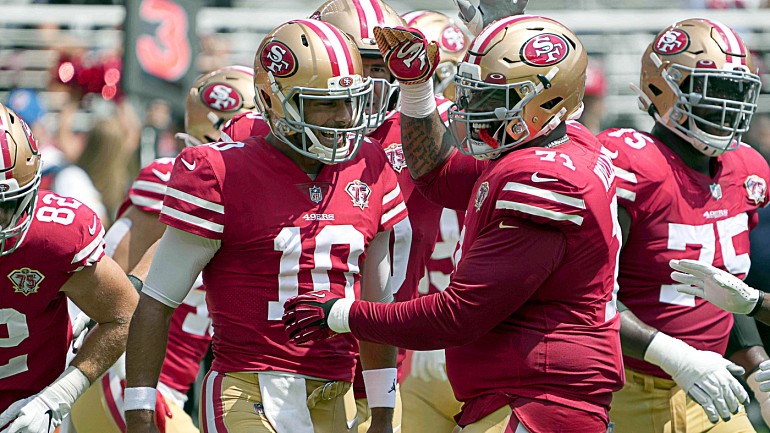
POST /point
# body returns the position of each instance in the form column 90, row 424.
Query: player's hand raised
column 478, row 17
column 306, row 317
column 409, row 56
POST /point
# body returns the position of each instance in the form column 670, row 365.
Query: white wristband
column 140, row 398
column 338, row 316
column 418, row 100
column 381, row 387
column 668, row 353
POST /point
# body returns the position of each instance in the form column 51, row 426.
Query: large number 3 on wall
column 167, row 53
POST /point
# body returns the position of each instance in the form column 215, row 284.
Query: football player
column 429, row 403
column 213, row 99
column 52, row 249
column 413, row 238
column 529, row 318
column 309, row 208
column 687, row 189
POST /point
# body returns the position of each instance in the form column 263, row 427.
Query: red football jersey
column 189, row 336
column 35, row 330
column 189, row 333
column 562, row 342
column 149, row 187
column 678, row 213
column 298, row 235
column 440, row 266
column 245, row 125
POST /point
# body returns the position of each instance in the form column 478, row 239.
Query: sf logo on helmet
column 674, row 41
column 221, row 97
column 544, row 50
column 452, row 39
column 277, row 58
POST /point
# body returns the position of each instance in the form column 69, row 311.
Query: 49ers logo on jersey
column 671, row 42
column 544, row 50
column 395, row 154
column 278, row 58
column 481, row 195
column 222, row 97
column 26, row 280
column 359, row 192
column 452, row 39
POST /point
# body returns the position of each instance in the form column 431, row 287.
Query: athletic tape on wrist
column 140, row 398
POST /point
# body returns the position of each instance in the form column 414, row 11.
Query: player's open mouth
column 333, row 139
column 486, row 132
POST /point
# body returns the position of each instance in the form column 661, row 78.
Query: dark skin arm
column 635, row 335
column 426, row 143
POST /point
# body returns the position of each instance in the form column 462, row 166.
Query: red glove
column 305, row 316
column 161, row 412
column 410, row 58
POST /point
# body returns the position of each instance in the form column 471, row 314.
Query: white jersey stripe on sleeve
column 626, row 175
column 151, row 203
column 546, row 194
column 389, row 197
column 625, row 194
column 387, row 216
column 89, row 249
column 444, row 106
column 192, row 219
column 143, row 185
column 197, row 201
column 534, row 210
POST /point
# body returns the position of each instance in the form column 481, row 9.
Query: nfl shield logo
column 716, row 191
column 315, row 194
column 359, row 192
column 481, row 195
column 755, row 188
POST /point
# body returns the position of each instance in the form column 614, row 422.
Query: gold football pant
column 232, row 403
column 100, row 410
column 429, row 406
column 649, row 404
column 364, row 415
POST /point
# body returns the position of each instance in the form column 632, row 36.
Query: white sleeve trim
column 197, row 201
column 143, row 185
column 178, row 260
column 387, row 216
column 138, row 200
column 192, row 219
column 94, row 246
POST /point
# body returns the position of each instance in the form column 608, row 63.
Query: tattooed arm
column 426, row 143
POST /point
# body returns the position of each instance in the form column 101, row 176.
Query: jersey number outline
column 289, row 242
column 706, row 235
column 18, row 331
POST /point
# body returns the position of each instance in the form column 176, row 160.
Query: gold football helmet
column 20, row 168
column 214, row 99
column 521, row 77
column 698, row 79
column 305, row 60
column 358, row 18
column 452, row 43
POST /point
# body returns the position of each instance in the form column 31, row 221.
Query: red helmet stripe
column 5, row 151
column 732, row 40
column 369, row 16
column 488, row 34
column 411, row 17
column 338, row 51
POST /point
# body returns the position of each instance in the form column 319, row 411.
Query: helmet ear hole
column 654, row 89
column 551, row 103
column 266, row 98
